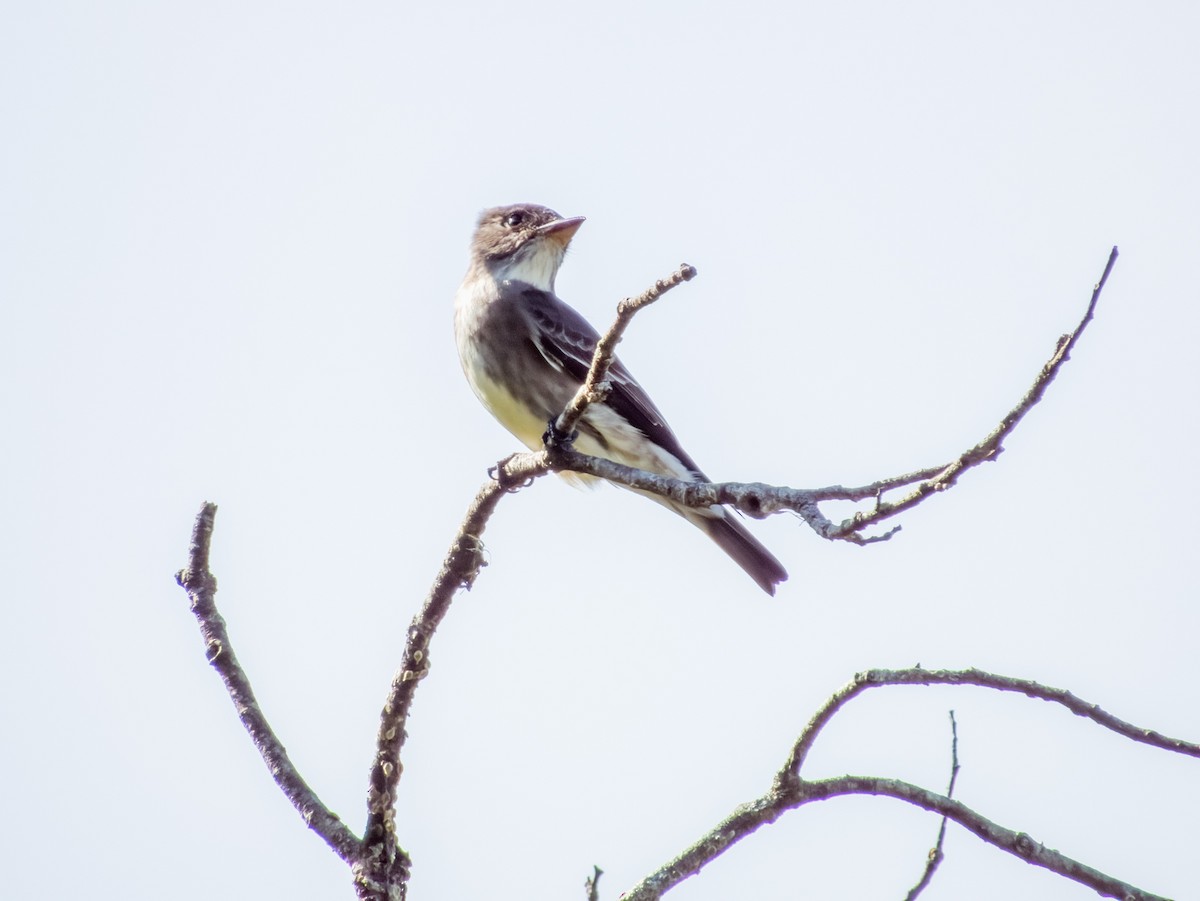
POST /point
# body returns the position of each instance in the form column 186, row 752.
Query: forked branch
column 790, row 790
column 594, row 389
column 758, row 500
column 381, row 867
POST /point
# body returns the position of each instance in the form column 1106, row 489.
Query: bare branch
column 747, row 818
column 1019, row 844
column 916, row 676
column 991, row 446
column 936, row 856
column 758, row 500
column 382, row 862
column 594, row 388
column 790, row 790
column 201, row 587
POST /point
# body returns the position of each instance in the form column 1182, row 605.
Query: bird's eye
column 512, row 220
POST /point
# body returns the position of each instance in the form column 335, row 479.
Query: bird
column 525, row 352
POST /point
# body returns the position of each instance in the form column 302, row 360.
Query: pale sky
column 230, row 242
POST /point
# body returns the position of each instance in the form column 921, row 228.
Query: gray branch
column 382, row 870
column 201, row 587
column 379, row 866
column 790, row 790
column 759, row 500
column 594, row 388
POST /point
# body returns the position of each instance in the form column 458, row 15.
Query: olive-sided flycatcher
column 525, row 353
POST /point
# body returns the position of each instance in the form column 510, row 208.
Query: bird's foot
column 500, row 473
column 555, row 439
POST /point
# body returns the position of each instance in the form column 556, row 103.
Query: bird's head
column 523, row 242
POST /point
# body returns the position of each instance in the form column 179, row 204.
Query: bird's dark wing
column 568, row 340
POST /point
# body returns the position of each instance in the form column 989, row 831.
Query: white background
column 230, row 238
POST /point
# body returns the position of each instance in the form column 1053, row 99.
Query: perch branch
column 759, row 500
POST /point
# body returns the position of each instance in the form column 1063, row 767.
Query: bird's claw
column 499, row 472
column 554, row 438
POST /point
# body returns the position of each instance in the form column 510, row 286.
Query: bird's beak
column 561, row 231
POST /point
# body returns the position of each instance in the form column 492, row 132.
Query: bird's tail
column 723, row 527
column 735, row 540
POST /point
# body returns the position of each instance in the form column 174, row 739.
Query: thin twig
column 991, row 446
column 594, row 388
column 936, row 855
column 201, row 587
